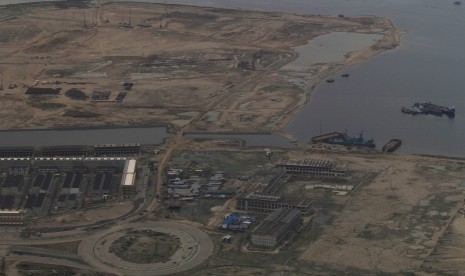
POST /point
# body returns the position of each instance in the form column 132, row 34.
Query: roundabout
column 194, row 248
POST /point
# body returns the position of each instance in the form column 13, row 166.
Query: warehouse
column 103, row 183
column 55, row 164
column 72, row 183
column 276, row 227
column 102, row 163
column 128, row 179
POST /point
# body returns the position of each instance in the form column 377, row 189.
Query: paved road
column 195, row 248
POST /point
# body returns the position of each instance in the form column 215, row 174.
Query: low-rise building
column 12, row 217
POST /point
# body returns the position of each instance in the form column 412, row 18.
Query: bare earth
column 221, row 67
column 206, row 69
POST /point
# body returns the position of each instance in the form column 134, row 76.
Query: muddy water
column 82, row 137
column 330, row 48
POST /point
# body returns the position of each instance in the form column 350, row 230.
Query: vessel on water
column 429, row 108
column 410, row 110
column 330, row 80
column 324, row 137
column 392, row 145
column 336, row 138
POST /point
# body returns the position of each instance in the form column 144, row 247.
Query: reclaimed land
column 212, row 70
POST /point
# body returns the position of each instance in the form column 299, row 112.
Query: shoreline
column 352, row 59
column 390, row 40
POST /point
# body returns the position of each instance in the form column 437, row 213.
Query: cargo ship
column 429, row 108
column 336, row 138
column 392, row 145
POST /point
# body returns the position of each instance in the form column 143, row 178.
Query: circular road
column 195, row 248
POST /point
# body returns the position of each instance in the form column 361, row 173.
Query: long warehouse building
column 129, row 178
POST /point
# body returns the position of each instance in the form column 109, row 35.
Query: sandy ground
column 218, row 67
column 392, row 223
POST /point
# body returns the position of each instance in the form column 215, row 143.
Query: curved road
column 195, row 248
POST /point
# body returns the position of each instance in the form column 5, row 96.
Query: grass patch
column 81, row 114
column 68, row 247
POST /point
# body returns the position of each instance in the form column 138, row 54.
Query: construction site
column 408, row 199
column 212, row 206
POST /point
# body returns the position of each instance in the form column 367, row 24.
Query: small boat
column 330, row 80
column 457, row 3
column 345, row 75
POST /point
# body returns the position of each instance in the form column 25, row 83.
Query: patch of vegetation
column 145, row 246
column 44, row 269
column 81, row 114
column 68, row 247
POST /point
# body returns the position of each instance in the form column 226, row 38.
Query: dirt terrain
column 206, row 69
column 402, row 215
column 222, row 68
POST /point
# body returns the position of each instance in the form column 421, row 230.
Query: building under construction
column 62, row 151
column 70, row 151
column 315, row 167
column 23, row 165
column 276, row 227
column 256, row 202
column 117, row 149
column 16, row 152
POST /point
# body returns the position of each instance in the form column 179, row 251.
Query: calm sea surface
column 428, row 66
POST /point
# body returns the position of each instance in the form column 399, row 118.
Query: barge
column 429, row 108
column 324, row 137
column 392, row 145
column 336, row 138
